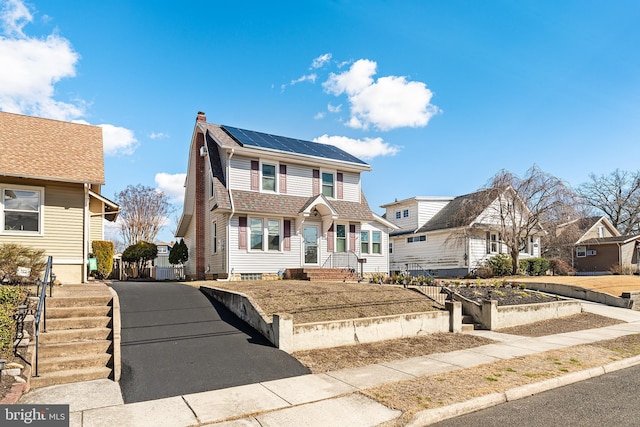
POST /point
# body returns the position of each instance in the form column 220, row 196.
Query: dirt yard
column 612, row 284
column 322, row 301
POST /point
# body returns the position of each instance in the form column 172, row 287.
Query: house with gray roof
column 51, row 175
column 448, row 236
column 259, row 206
column 600, row 247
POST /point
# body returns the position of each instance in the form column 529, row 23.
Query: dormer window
column 268, row 177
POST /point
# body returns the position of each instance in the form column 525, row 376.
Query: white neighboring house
column 448, row 236
column 257, row 205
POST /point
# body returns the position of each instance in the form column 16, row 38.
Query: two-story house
column 448, row 236
column 51, row 174
column 260, row 206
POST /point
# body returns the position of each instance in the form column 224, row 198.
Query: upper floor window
column 416, row 239
column 22, row 210
column 268, row 177
column 327, row 184
column 398, row 215
column 600, row 231
column 405, row 213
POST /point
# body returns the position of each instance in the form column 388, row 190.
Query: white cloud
column 118, row 140
column 388, row 103
column 14, row 16
column 158, row 135
column 319, row 115
column 334, row 109
column 306, row 78
column 367, row 148
column 321, row 60
column 172, row 185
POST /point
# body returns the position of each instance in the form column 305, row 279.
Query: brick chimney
column 201, row 117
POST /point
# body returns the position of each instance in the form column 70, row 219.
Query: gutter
column 233, row 211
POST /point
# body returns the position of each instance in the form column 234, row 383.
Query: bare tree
column 528, row 206
column 617, row 195
column 144, row 212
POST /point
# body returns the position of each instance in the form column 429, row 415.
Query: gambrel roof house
column 51, row 174
column 259, row 205
column 448, row 236
column 600, row 246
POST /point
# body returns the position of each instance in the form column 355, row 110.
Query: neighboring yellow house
column 51, row 173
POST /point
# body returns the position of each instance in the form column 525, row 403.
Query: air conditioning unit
column 591, row 252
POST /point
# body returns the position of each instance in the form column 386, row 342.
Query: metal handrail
column 48, row 279
column 348, row 260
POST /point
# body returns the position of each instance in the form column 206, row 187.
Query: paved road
column 609, row 400
column 176, row 341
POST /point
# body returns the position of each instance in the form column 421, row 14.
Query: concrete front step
column 74, row 349
column 66, row 312
column 55, row 364
column 74, row 335
column 78, row 323
column 69, row 376
column 78, row 301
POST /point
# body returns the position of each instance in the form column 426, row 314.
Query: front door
column 311, row 233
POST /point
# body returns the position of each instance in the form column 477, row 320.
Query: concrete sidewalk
column 331, row 399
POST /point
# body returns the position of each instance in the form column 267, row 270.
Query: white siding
column 351, row 186
column 190, row 241
column 440, row 250
column 405, row 223
column 299, row 180
column 428, row 208
column 376, row 263
column 246, row 261
column 240, row 173
column 217, row 261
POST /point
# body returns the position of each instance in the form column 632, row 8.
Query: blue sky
column 437, row 96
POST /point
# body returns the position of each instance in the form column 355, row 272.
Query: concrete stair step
column 55, row 364
column 74, row 349
column 65, row 312
column 466, row 327
column 78, row 323
column 74, row 335
column 78, row 301
column 467, row 319
column 69, row 376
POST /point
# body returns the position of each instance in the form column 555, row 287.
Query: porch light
column 315, row 212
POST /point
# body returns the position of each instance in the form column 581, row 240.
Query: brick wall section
column 200, row 208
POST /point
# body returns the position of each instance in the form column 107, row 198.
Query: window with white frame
column 341, row 238
column 268, row 177
column 494, row 243
column 376, row 242
column 273, row 230
column 405, row 213
column 415, row 239
column 398, row 215
column 22, row 210
column 600, row 231
column 364, row 242
column 581, row 251
column 255, row 230
column 327, row 184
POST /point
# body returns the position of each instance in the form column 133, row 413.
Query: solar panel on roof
column 290, row 145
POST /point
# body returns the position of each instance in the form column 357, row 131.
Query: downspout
column 233, row 211
column 85, row 234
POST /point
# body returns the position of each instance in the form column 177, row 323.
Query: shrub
column 560, row 267
column 103, row 251
column 179, row 253
column 139, row 254
column 13, row 256
column 625, row 269
column 500, row 264
column 484, row 272
column 534, row 266
column 10, row 298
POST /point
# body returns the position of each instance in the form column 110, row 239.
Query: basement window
column 250, row 276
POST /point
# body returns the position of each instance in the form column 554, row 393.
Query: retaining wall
column 290, row 337
column 491, row 316
column 578, row 292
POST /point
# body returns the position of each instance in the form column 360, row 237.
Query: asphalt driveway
column 176, row 341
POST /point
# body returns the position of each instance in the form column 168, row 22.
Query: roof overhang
column 111, row 209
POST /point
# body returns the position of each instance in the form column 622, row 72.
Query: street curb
column 430, row 416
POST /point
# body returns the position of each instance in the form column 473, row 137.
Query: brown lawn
column 613, row 284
